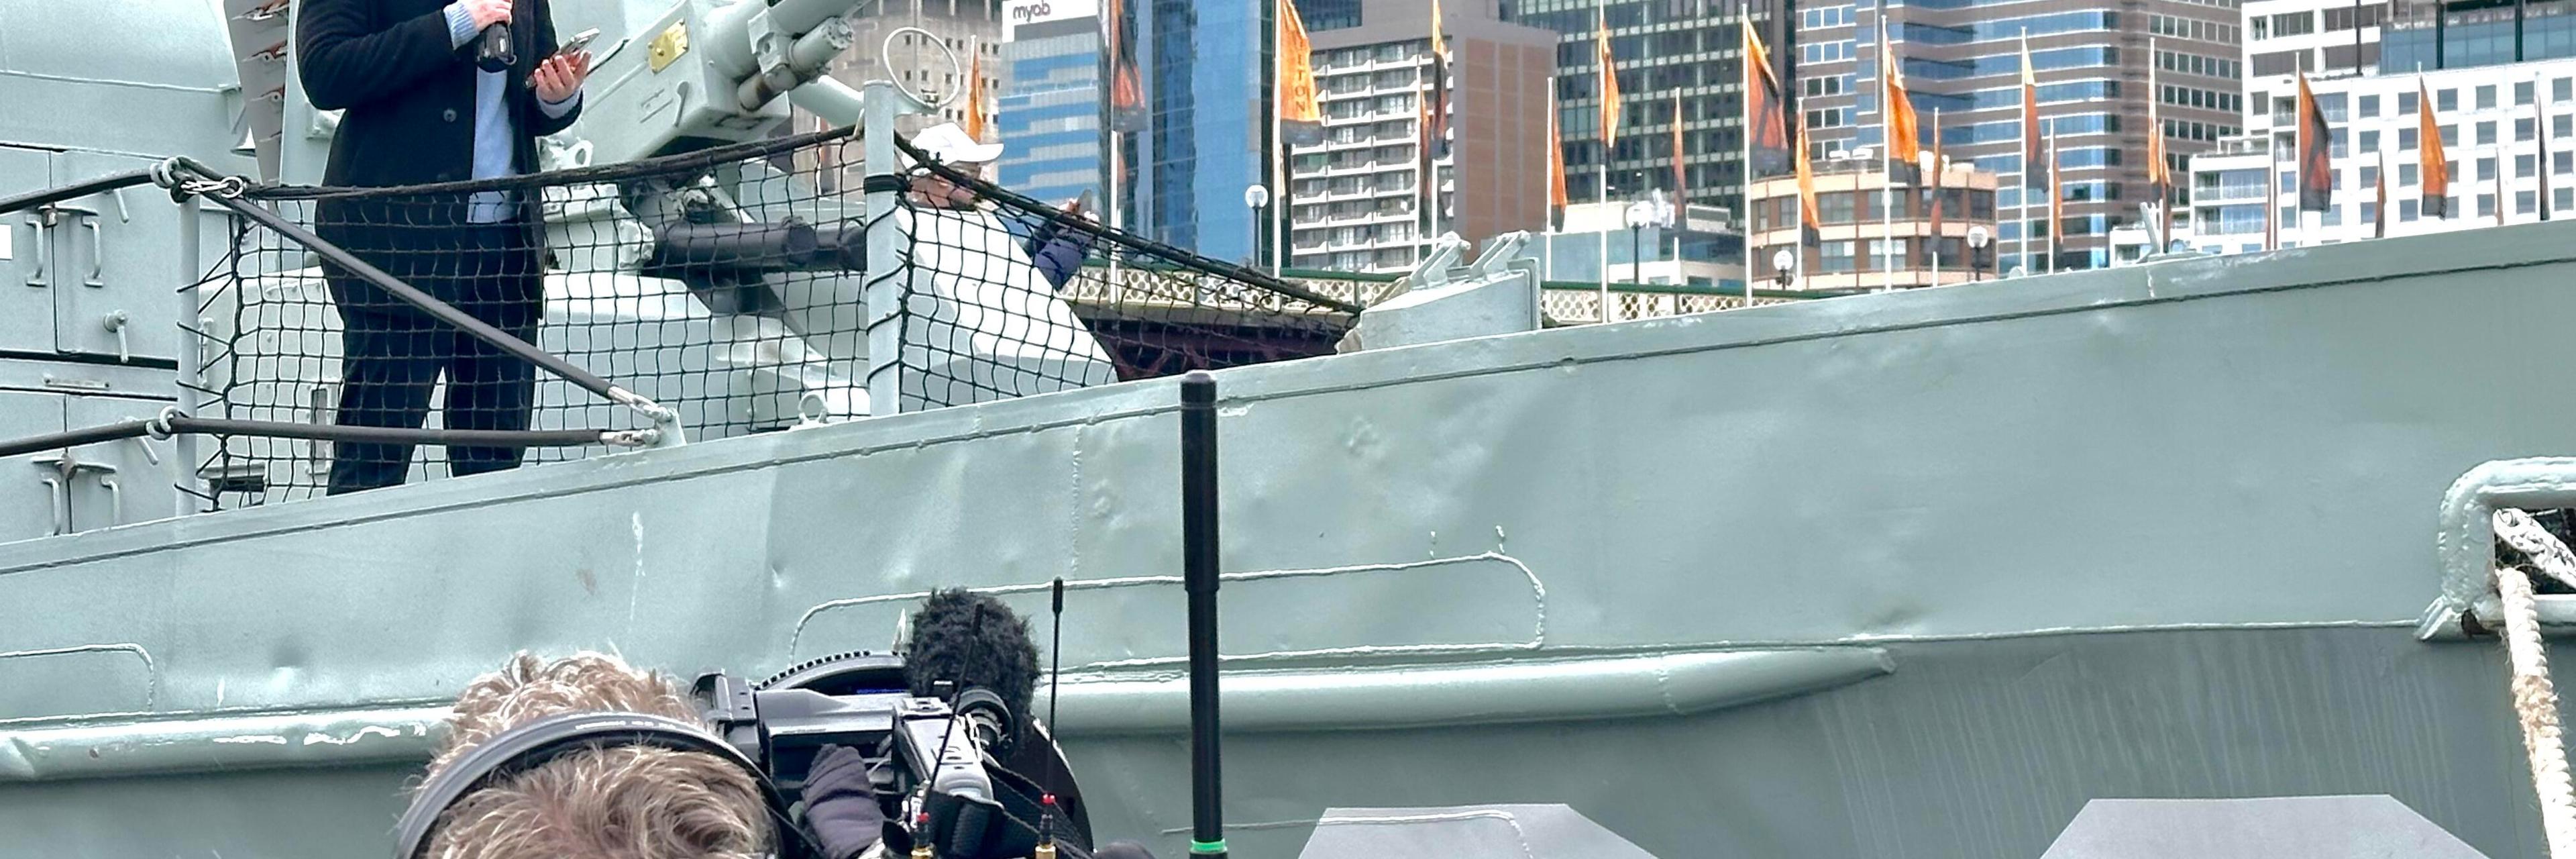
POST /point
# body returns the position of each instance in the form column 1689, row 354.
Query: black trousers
column 392, row 355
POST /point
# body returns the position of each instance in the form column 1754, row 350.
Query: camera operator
column 636, row 802
column 643, row 801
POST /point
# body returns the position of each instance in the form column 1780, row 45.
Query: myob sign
column 1019, row 13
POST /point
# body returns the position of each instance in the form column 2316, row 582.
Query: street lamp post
column 1977, row 239
column 1257, row 198
column 1783, row 269
column 1638, row 215
column 1930, row 172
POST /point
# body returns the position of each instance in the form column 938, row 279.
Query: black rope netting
column 729, row 285
column 1006, row 296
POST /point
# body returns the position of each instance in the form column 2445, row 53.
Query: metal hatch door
column 26, row 291
column 30, row 506
column 115, row 265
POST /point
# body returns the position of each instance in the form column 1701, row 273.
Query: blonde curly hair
column 620, row 802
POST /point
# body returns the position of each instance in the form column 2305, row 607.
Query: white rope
column 2535, row 698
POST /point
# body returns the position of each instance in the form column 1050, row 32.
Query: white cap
column 948, row 144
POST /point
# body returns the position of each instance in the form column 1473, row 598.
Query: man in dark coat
column 434, row 92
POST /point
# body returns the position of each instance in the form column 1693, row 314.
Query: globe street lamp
column 1783, row 267
column 1257, row 198
column 1977, row 239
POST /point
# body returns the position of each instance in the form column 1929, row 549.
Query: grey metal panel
column 141, row 488
column 114, row 254
column 157, row 89
column 27, row 507
column 2280, row 827
column 36, row 374
column 26, row 293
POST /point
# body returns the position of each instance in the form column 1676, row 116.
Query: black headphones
column 536, row 743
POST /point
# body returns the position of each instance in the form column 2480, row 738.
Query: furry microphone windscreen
column 973, row 640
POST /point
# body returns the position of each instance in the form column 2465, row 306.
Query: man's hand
column 486, row 12
column 559, row 78
column 840, row 803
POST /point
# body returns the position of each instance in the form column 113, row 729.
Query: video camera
column 956, row 771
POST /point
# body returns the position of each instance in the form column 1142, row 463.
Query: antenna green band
column 1204, row 848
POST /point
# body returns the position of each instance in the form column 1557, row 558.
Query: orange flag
column 2316, row 167
column 2437, row 167
column 1681, row 176
column 1609, row 83
column 975, row 95
column 1896, row 111
column 1556, row 197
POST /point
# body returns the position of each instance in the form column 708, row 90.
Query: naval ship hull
column 1906, row 575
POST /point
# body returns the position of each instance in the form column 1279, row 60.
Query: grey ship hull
column 1908, row 575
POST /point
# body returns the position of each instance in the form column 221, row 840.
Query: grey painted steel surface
column 2300, row 827
column 2157, row 531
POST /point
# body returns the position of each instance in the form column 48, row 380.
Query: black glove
column 841, row 804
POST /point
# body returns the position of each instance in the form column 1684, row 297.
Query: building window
column 2405, row 174
column 2524, row 165
column 2486, row 169
column 2566, row 199
column 2524, row 129
column 2486, row 133
column 1836, row 256
column 2562, row 126
column 2406, row 140
column 2294, row 23
column 2406, row 104
column 2522, row 93
column 2370, row 213
column 2486, row 96
column 2562, row 89
column 2446, row 100
column 2486, row 205
column 2369, row 176
column 2406, row 210
column 2524, row 202
column 2370, row 141
column 2562, row 163
column 2370, row 106
column 2450, row 135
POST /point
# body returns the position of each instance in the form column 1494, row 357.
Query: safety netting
column 732, row 286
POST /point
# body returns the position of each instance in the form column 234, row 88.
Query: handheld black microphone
column 497, row 52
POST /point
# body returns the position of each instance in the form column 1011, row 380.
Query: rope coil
column 2535, row 696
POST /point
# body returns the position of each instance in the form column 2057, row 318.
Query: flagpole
column 1602, row 9
column 1932, row 245
column 1886, row 160
column 2029, row 113
column 1278, row 209
column 1744, row 211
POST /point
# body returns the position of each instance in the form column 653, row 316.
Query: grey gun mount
column 701, row 72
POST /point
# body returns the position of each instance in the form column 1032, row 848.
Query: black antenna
column 1055, row 754
column 1199, row 579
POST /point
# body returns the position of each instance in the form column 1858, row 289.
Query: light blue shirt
column 493, row 154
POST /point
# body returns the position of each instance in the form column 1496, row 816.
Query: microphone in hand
column 496, row 53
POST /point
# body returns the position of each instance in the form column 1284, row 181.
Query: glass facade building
column 1206, row 67
column 1662, row 48
column 2459, row 35
column 1051, row 109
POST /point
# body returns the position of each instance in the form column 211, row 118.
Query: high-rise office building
column 2090, row 61
column 1356, row 199
column 1660, row 48
column 1050, row 112
column 2505, row 108
column 1206, row 69
column 963, row 28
